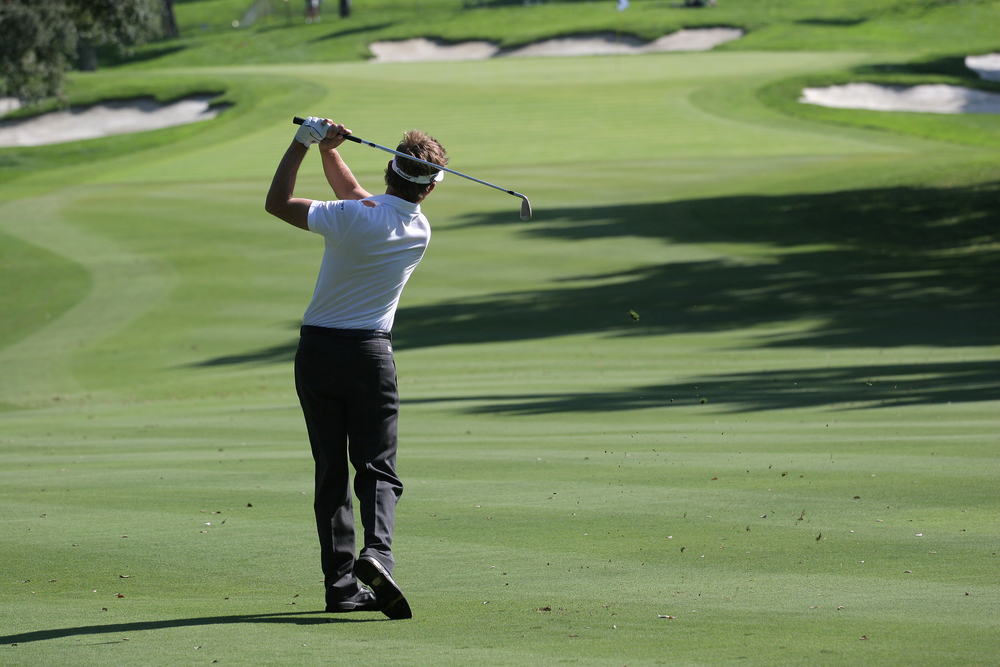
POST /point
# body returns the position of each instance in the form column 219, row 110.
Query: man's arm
column 329, row 135
column 344, row 185
column 280, row 202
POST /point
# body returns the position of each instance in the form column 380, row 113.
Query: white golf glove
column 311, row 132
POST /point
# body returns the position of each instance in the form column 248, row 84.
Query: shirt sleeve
column 332, row 219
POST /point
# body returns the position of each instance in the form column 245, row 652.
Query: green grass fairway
column 790, row 458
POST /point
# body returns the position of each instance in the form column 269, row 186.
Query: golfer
column 345, row 375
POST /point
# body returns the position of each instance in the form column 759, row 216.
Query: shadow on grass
column 110, row 57
column 878, row 268
column 852, row 387
column 869, row 268
column 950, row 66
column 277, row 354
column 291, row 617
column 833, row 22
column 336, row 34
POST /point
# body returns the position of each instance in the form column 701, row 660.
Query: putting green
column 788, row 459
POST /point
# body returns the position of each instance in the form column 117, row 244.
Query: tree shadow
column 111, row 57
column 851, row 387
column 938, row 65
column 353, row 31
column 291, row 617
column 276, row 354
column 492, row 4
column 833, row 22
column 875, row 268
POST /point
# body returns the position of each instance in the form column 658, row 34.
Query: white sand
column 703, row 39
column 927, row 99
column 987, row 67
column 101, row 120
column 424, row 50
column 8, row 104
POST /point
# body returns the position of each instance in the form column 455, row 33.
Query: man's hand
column 313, row 131
column 336, row 134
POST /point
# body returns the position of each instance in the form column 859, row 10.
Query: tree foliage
column 119, row 23
column 38, row 38
column 36, row 41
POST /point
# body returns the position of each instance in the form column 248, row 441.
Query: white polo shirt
column 372, row 247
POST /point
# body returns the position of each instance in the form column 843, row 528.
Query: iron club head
column 525, row 208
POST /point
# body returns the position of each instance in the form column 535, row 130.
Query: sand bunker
column 425, row 50
column 606, row 44
column 987, row 67
column 8, row 104
column 938, row 98
column 101, row 120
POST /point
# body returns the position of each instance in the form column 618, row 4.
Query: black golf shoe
column 391, row 600
column 363, row 600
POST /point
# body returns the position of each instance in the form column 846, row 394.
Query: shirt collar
column 397, row 203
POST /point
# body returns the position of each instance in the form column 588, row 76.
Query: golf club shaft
column 359, row 140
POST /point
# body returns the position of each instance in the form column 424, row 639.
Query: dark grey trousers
column 346, row 382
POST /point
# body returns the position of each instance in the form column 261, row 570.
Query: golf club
column 525, row 204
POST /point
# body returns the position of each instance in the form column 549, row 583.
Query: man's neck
column 390, row 191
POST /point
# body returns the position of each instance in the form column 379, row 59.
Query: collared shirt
column 372, row 247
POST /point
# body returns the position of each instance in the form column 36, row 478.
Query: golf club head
column 525, row 208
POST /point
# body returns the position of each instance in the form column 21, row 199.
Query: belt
column 345, row 334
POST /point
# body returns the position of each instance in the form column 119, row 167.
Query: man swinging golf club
column 345, row 375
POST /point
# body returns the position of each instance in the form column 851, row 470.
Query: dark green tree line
column 41, row 39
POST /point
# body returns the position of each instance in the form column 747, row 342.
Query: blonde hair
column 425, row 147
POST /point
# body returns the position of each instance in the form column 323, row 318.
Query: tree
column 119, row 23
column 39, row 37
column 169, row 20
column 36, row 40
